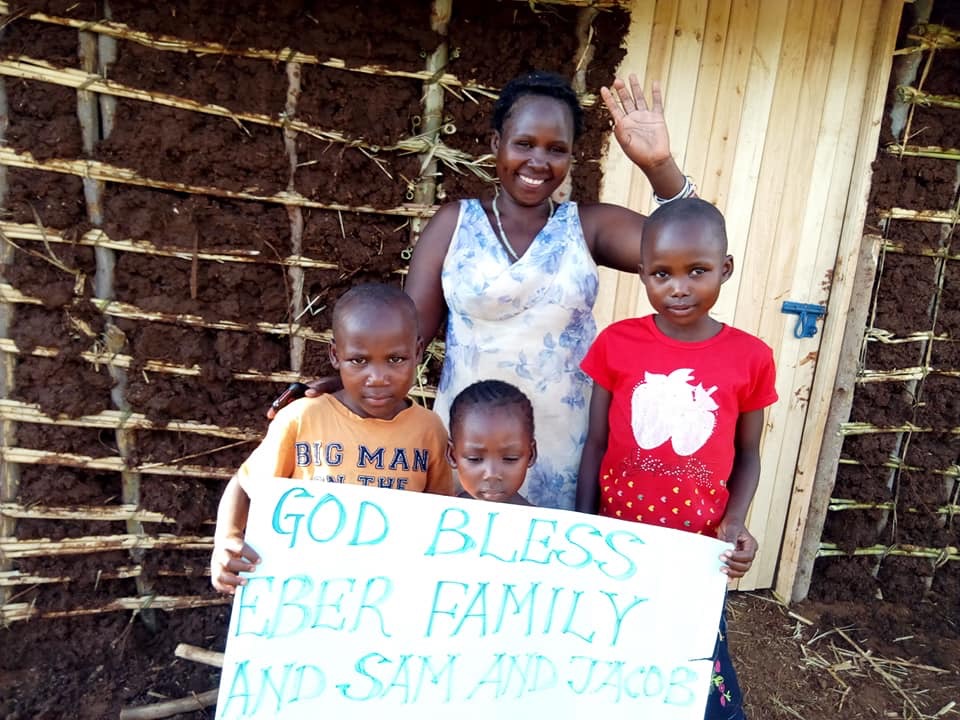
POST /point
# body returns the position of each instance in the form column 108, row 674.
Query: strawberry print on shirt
column 673, row 417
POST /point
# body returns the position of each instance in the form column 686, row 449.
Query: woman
column 516, row 275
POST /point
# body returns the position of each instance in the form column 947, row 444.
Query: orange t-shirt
column 321, row 439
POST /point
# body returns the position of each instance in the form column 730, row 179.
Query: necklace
column 503, row 235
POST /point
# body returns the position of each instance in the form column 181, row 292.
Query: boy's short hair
column 686, row 210
column 377, row 297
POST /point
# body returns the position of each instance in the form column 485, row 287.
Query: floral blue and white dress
column 528, row 323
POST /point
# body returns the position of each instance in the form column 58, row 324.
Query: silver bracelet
column 688, row 190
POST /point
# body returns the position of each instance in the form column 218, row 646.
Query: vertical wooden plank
column 639, row 193
column 707, row 103
column 680, row 60
column 815, row 481
column 749, row 145
column 618, row 171
column 9, row 472
column 807, row 259
column 714, row 180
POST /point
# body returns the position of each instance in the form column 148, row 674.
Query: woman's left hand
column 641, row 131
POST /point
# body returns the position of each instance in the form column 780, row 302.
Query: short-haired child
column 491, row 441
column 677, row 408
column 368, row 433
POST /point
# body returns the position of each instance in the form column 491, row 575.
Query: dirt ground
column 815, row 661
column 843, row 654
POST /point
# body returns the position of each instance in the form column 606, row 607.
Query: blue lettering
column 568, row 627
column 294, row 589
column 319, row 680
column 479, row 599
column 334, row 454
column 553, row 606
column 466, row 542
column 302, row 452
column 496, row 671
column 239, row 689
column 341, row 516
column 401, row 683
column 335, row 603
column 402, row 483
column 550, row 683
column 544, row 541
column 361, row 518
column 612, row 596
column 399, row 461
column 484, row 551
column 385, row 482
column 653, row 673
column 436, row 676
column 365, row 457
column 376, row 687
column 452, row 612
column 366, row 603
column 631, row 568
column 614, row 680
column 568, row 535
column 589, row 674
column 420, row 459
column 366, row 480
column 518, row 606
column 297, row 492
column 678, row 692
column 243, row 605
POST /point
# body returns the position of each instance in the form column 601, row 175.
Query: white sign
column 385, row 604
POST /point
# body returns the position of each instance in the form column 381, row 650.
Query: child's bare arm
column 231, row 554
column 588, row 488
column 742, row 485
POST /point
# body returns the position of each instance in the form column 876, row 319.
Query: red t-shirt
column 673, row 419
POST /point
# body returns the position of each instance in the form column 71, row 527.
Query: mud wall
column 187, row 187
column 892, row 529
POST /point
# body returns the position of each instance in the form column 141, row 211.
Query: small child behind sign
column 491, row 441
column 368, row 433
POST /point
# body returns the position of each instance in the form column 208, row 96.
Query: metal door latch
column 807, row 321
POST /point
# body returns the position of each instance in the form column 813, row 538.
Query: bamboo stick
column 432, row 113
column 839, row 505
column 940, row 554
column 17, row 579
column 170, row 43
column 200, row 655
column 98, row 238
column 929, row 36
column 110, row 513
column 948, row 217
column 193, row 703
column 863, row 428
column 45, row 547
column 952, row 471
column 114, row 464
column 159, row 366
column 109, row 173
column 9, row 471
column 12, row 612
column 33, row 69
column 929, row 151
column 913, row 96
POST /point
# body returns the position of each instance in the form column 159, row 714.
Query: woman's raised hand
column 641, row 131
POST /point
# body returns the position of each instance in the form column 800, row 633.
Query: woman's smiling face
column 535, row 148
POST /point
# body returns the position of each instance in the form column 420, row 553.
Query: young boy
column 677, row 408
column 367, row 433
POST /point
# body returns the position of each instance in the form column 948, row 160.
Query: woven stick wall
column 185, row 197
column 893, row 528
